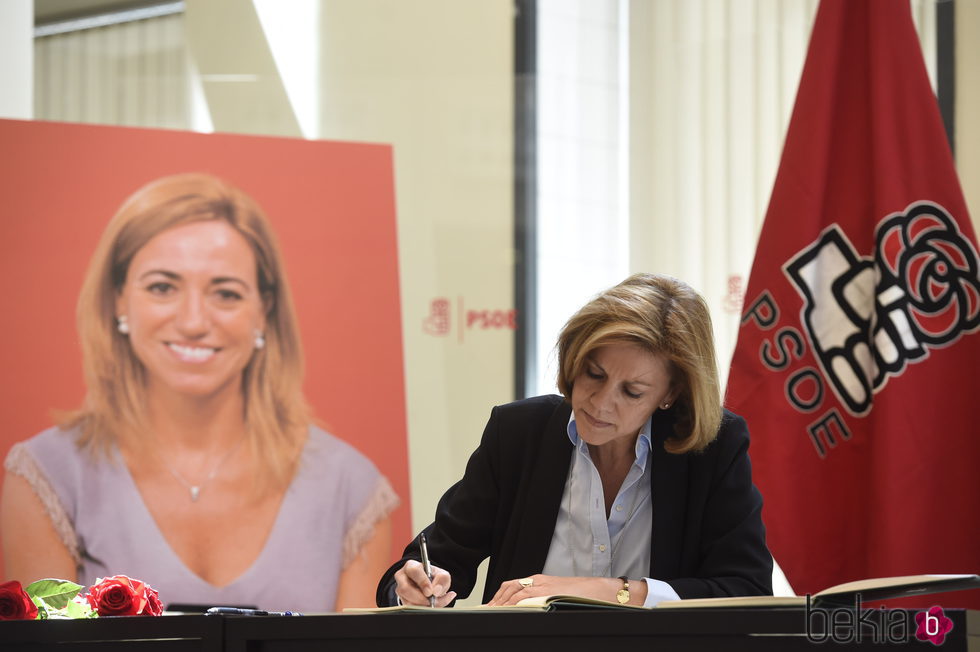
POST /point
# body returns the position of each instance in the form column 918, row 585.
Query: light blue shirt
column 585, row 542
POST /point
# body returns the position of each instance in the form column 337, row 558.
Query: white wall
column 17, row 59
column 968, row 104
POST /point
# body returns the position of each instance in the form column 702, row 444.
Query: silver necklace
column 195, row 489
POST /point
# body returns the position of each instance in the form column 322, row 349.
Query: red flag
column 858, row 351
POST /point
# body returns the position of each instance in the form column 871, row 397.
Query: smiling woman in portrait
column 193, row 463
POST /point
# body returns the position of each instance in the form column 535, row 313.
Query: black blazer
column 707, row 540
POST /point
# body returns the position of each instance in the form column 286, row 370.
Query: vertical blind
column 135, row 73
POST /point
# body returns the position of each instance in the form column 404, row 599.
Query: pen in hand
column 426, row 566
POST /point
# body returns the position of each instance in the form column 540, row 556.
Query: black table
column 691, row 630
column 162, row 634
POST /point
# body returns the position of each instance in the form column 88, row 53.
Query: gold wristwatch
column 623, row 595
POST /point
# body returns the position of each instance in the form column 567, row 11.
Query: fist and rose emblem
column 868, row 318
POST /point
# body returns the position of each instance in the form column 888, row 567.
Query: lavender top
column 327, row 514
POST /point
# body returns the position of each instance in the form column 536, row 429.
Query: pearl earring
column 123, row 324
column 259, row 340
column 665, row 406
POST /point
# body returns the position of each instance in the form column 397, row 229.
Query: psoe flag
column 858, row 353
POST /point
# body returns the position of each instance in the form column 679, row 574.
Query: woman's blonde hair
column 276, row 413
column 666, row 317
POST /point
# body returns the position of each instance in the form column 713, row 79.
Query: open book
column 539, row 603
column 840, row 595
column 881, row 588
column 553, row 602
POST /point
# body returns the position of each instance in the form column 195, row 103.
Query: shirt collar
column 643, row 442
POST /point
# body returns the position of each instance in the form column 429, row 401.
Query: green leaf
column 80, row 610
column 42, row 609
column 53, row 592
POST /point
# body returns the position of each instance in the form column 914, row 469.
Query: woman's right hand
column 413, row 587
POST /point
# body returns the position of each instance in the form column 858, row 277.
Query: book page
column 414, row 608
column 538, row 603
column 870, row 589
column 907, row 584
column 546, row 601
column 737, row 602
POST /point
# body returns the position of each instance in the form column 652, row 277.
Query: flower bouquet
column 52, row 598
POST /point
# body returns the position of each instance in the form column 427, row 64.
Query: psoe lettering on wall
column 439, row 320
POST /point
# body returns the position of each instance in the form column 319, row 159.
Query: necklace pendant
column 195, row 492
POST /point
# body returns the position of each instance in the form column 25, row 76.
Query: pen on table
column 238, row 611
column 426, row 566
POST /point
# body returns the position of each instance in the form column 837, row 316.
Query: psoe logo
column 869, row 317
column 439, row 320
column 854, row 624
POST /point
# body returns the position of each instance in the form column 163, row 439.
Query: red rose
column 15, row 604
column 123, row 596
column 115, row 596
column 153, row 605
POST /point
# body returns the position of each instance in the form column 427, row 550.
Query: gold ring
column 526, row 582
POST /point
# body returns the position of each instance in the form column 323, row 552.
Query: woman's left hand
column 599, row 588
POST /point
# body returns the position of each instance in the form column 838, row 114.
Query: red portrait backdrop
column 332, row 206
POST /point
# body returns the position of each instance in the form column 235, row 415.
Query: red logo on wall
column 437, row 323
column 732, row 302
column 439, row 320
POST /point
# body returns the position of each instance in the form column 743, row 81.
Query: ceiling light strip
column 111, row 18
